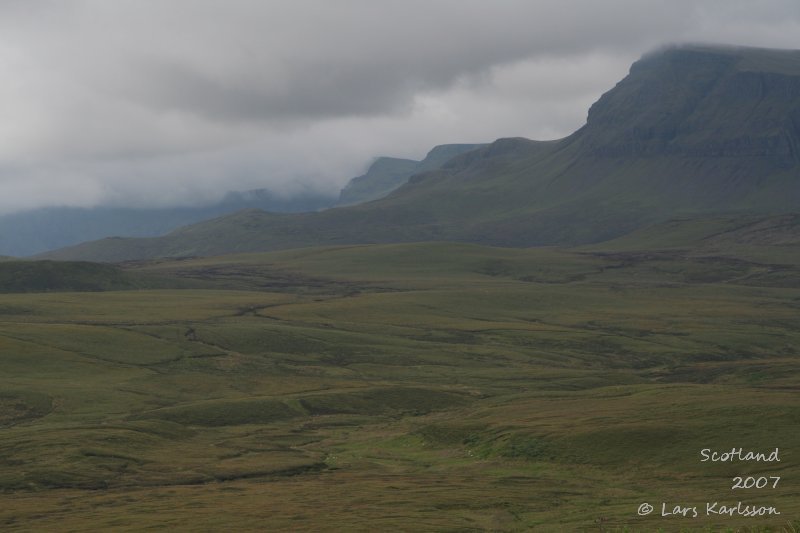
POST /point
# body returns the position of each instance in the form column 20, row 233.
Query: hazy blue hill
column 35, row 231
column 388, row 173
column 691, row 131
column 383, row 176
column 442, row 154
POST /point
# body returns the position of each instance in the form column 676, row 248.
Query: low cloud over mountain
column 153, row 103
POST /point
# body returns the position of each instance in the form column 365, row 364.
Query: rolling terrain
column 412, row 363
column 426, row 386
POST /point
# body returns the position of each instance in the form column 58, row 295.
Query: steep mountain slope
column 383, row 176
column 388, row 173
column 690, row 131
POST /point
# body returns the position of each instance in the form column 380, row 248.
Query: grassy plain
column 412, row 387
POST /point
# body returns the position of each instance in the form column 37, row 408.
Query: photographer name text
column 716, row 508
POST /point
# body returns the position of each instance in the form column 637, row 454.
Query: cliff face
column 701, row 102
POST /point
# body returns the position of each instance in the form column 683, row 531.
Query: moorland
column 534, row 336
column 428, row 386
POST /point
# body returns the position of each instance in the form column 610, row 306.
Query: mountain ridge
column 689, row 131
column 386, row 174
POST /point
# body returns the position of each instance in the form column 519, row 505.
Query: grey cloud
column 276, row 60
column 149, row 101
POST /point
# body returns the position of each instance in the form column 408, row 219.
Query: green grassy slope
column 428, row 387
column 747, row 237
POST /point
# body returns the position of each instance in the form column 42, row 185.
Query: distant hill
column 384, row 175
column 691, row 131
column 388, row 173
column 38, row 230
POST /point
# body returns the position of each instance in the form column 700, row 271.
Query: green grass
column 432, row 387
column 225, row 413
column 50, row 276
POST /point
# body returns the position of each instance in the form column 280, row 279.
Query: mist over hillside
column 38, row 230
column 692, row 130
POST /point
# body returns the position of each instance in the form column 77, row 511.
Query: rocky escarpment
column 702, row 102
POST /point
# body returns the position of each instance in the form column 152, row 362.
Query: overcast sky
column 158, row 102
